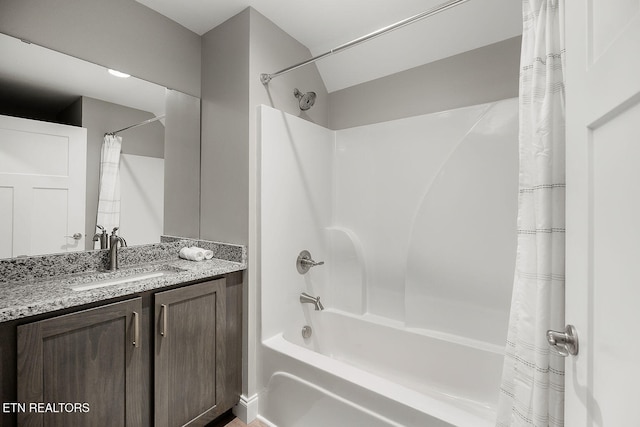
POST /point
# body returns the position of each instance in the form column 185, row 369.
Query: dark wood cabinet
column 188, row 368
column 87, row 366
column 162, row 358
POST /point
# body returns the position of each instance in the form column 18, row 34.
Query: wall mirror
column 48, row 102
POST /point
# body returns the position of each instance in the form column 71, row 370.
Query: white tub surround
column 415, row 220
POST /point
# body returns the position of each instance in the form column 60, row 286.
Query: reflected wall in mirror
column 159, row 164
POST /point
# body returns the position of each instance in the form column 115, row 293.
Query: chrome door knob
column 564, row 343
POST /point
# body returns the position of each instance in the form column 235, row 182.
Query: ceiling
column 325, row 24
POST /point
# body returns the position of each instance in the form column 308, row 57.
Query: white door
column 603, row 211
column 42, row 187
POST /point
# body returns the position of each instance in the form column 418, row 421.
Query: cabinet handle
column 136, row 329
column 163, row 313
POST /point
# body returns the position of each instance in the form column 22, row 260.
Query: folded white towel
column 192, row 254
column 207, row 253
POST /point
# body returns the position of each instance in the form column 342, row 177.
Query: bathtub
column 368, row 371
column 406, row 249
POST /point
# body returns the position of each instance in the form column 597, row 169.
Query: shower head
column 306, row 100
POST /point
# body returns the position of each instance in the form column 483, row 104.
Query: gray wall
column 182, row 165
column 486, row 74
column 100, row 117
column 225, row 131
column 234, row 55
column 271, row 50
column 119, row 34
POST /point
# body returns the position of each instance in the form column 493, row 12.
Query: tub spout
column 305, row 298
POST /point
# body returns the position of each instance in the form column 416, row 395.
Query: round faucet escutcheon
column 305, row 262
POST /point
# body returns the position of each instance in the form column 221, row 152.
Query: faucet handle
column 101, row 228
column 114, row 230
column 310, row 262
column 305, row 262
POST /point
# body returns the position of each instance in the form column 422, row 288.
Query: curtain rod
column 266, row 78
column 136, row 125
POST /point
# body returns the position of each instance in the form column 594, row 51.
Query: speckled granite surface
column 36, row 285
column 236, row 253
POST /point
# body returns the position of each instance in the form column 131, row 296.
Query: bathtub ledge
column 447, row 408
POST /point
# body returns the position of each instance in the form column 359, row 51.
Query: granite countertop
column 33, row 295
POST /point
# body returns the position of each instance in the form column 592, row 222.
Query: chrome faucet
column 113, row 249
column 305, row 298
column 102, row 237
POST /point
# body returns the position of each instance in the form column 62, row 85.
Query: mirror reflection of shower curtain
column 109, row 190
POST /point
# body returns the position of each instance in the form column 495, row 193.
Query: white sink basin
column 121, row 279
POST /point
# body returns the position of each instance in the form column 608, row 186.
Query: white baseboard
column 247, row 408
column 266, row 422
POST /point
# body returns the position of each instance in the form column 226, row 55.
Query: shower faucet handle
column 305, row 262
column 310, row 262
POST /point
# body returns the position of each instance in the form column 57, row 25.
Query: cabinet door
column 189, row 365
column 93, row 357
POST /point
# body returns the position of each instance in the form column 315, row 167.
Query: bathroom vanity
column 154, row 344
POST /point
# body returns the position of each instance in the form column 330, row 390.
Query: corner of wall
column 224, row 131
column 273, row 49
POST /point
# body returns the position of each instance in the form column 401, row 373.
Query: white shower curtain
column 532, row 389
column 109, row 192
